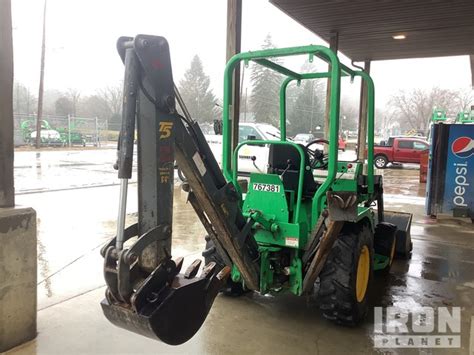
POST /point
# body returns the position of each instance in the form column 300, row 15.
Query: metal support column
column 39, row 114
column 362, row 130
column 7, row 192
column 234, row 35
column 471, row 57
column 68, row 130
column 97, row 139
column 333, row 44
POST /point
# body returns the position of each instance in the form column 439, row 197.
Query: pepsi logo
column 463, row 147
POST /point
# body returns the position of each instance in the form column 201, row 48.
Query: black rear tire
column 341, row 299
column 210, row 253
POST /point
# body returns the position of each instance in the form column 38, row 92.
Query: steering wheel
column 317, row 158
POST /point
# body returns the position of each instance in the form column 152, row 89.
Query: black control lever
column 288, row 162
column 253, row 158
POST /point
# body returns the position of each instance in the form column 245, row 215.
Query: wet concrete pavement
column 75, row 221
column 75, row 194
column 63, row 169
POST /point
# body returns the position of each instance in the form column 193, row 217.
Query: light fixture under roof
column 399, row 36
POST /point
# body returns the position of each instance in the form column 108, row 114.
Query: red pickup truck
column 399, row 150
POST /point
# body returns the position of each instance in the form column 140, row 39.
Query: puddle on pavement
column 403, row 181
column 54, row 170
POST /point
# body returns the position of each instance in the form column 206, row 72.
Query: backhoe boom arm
column 146, row 293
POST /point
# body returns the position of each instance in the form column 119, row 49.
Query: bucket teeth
column 169, row 306
column 208, row 270
column 223, row 274
column 217, row 281
column 179, row 264
column 192, row 269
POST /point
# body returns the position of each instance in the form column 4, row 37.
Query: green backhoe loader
column 308, row 220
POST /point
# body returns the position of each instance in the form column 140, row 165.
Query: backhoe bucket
column 403, row 238
column 168, row 306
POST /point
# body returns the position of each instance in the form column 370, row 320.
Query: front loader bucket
column 402, row 221
column 168, row 307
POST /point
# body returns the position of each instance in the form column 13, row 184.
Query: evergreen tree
column 197, row 95
column 264, row 100
column 305, row 104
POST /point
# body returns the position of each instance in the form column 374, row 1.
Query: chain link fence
column 65, row 131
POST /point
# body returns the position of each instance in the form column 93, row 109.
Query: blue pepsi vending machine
column 450, row 182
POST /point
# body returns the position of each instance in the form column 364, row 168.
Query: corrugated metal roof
column 432, row 28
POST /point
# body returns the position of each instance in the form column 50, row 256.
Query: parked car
column 303, row 138
column 47, row 137
column 399, row 150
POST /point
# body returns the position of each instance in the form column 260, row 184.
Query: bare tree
column 74, row 96
column 349, row 115
column 384, row 120
column 414, row 108
column 63, row 106
column 49, row 101
column 112, row 95
column 94, row 106
column 23, row 100
column 464, row 100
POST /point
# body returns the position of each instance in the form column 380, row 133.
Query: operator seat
column 284, row 160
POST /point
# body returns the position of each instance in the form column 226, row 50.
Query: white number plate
column 266, row 187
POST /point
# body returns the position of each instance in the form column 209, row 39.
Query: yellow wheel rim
column 392, row 251
column 363, row 271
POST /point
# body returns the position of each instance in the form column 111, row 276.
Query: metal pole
column 312, row 103
column 107, row 131
column 97, row 140
column 28, row 101
column 242, row 83
column 122, row 213
column 41, row 84
column 234, row 31
column 245, row 105
column 69, row 130
column 17, row 103
column 471, row 58
column 7, row 191
column 333, row 44
column 362, row 131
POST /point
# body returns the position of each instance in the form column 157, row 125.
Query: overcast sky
column 81, row 37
